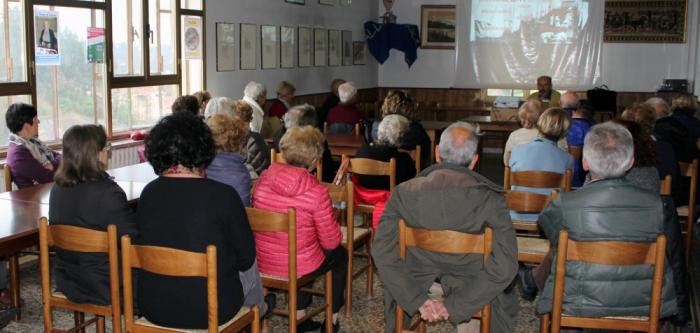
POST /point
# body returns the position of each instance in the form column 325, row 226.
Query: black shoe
column 271, row 302
column 527, row 283
column 308, row 326
column 336, row 327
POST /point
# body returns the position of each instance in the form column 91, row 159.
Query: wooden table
column 42, row 193
column 344, row 144
column 142, row 173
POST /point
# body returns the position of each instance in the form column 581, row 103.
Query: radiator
column 124, row 156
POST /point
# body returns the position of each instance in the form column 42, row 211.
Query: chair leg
column 292, row 306
column 266, row 321
column 348, row 285
column 370, row 268
column 544, row 323
column 328, row 282
column 79, row 320
column 688, row 242
column 255, row 325
column 13, row 261
column 399, row 319
column 100, row 323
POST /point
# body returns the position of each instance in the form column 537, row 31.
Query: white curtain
column 509, row 43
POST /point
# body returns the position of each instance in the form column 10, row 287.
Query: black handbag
column 602, row 98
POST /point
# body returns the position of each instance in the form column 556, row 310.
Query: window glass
column 192, row 69
column 191, row 4
column 5, row 102
column 141, row 106
column 127, row 34
column 12, row 43
column 72, row 92
column 162, row 42
column 499, row 92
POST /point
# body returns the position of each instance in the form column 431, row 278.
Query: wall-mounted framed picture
column 249, row 45
column 347, row 48
column 269, row 46
column 645, row 21
column 296, row 2
column 306, row 47
column 288, row 39
column 345, row 3
column 225, row 47
column 359, row 53
column 320, row 47
column 437, row 26
column 328, row 2
column 335, row 48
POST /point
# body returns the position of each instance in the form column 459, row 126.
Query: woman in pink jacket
column 318, row 234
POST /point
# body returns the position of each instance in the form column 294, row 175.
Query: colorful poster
column 46, row 51
column 95, row 45
column 192, row 44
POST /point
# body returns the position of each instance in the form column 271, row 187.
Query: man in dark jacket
column 449, row 196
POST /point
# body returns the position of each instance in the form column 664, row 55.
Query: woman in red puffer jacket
column 318, row 233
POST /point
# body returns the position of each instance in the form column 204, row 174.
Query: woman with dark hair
column 84, row 196
column 183, row 209
column 30, row 160
column 643, row 173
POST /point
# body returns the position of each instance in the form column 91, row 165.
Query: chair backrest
column 415, row 155
column 344, row 193
column 537, row 179
column 369, row 167
column 276, row 157
column 357, row 129
column 618, row 253
column 168, row 262
column 665, row 188
column 266, row 221
column 7, row 176
column 576, row 152
column 528, row 202
column 77, row 239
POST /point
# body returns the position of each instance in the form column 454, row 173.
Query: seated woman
column 30, row 160
column 318, row 233
column 343, row 117
column 84, row 196
column 257, row 153
column 385, row 148
column 542, row 154
column 228, row 166
column 203, row 98
column 528, row 114
column 183, row 209
column 285, row 98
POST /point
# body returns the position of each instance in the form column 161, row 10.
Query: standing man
column 550, row 98
column 449, row 196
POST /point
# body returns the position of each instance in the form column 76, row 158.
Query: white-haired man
column 449, row 196
column 343, row 117
column 607, row 208
column 255, row 94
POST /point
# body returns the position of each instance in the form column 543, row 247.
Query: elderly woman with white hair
column 255, row 94
column 389, row 134
column 343, row 117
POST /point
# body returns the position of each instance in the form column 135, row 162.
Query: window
column 162, row 42
column 141, row 106
column 12, row 50
column 127, row 34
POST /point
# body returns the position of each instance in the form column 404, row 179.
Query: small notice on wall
column 46, row 29
column 192, row 44
column 95, row 45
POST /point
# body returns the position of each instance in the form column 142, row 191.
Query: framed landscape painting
column 645, row 21
column 437, row 26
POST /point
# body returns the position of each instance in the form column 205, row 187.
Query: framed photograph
column 345, row 3
column 437, row 26
column 320, row 47
column 359, row 53
column 328, row 2
column 249, row 45
column 269, row 46
column 306, row 47
column 288, row 41
column 347, row 48
column 645, row 21
column 335, row 48
column 225, row 45
column 296, row 2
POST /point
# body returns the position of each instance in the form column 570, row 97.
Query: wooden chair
column 359, row 235
column 415, row 155
column 76, row 239
column 527, row 203
column 537, row 179
column 357, row 129
column 276, row 157
column 179, row 263
column 264, row 221
column 7, row 176
column 369, row 167
column 444, row 241
column 665, row 188
column 687, row 213
column 576, row 152
column 618, row 253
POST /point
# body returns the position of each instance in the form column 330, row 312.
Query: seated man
column 343, row 117
column 550, row 98
column 607, row 208
column 449, row 196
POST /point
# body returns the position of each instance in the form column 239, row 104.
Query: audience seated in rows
column 330, row 102
column 202, row 212
column 449, row 196
column 542, row 154
column 285, row 98
column 318, row 233
column 683, row 108
column 230, row 136
column 391, row 130
column 343, row 117
column 528, row 115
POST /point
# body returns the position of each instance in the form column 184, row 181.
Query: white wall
column 276, row 12
column 625, row 67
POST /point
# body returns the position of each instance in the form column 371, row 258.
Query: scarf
column 258, row 114
column 42, row 153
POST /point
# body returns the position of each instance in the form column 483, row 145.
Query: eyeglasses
column 108, row 150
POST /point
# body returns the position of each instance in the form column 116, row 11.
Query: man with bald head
column 449, row 196
column 549, row 97
column 569, row 102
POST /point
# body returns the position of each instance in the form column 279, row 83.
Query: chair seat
column 242, row 312
column 682, row 211
column 357, row 234
column 630, row 318
column 280, row 280
column 58, row 294
column 532, row 250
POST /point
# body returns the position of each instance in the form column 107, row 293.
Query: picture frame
column 288, row 42
column 438, row 27
column 335, row 48
column 296, row 2
column 269, row 47
column 306, row 47
column 248, row 46
column 225, row 47
column 347, row 48
column 320, row 47
column 328, row 2
column 645, row 21
column 359, row 53
column 345, row 3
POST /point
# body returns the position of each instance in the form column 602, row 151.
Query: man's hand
column 432, row 311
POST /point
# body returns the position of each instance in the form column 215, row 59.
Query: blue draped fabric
column 383, row 37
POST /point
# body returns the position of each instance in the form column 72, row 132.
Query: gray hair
column 658, row 101
column 218, row 105
column 346, row 92
column 300, row 115
column 569, row 100
column 254, row 90
column 609, row 150
column 391, row 129
column 456, row 150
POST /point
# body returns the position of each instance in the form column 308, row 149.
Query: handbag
column 602, row 98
